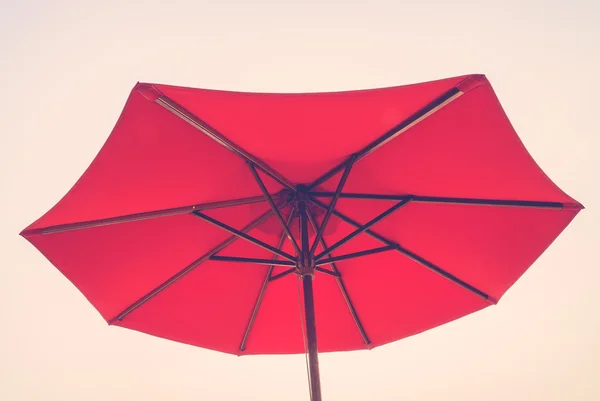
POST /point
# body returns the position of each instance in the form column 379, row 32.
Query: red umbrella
column 409, row 206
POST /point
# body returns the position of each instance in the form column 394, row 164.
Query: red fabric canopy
column 125, row 234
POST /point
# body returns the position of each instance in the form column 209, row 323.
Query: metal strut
column 263, row 288
column 340, row 283
column 390, row 245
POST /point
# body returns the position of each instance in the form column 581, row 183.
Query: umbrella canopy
column 400, row 209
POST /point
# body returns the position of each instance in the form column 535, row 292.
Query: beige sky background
column 66, row 69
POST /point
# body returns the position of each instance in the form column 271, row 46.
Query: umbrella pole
column 311, row 336
column 307, row 267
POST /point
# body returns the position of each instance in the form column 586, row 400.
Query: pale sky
column 67, row 68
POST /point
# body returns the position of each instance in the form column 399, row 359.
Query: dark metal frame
column 256, row 261
column 209, row 131
column 150, row 215
column 341, row 286
column 245, row 236
column 362, row 228
column 335, row 197
column 269, row 199
column 263, row 288
column 304, row 263
column 163, row 286
column 394, row 246
column 354, row 255
column 439, row 199
column 412, row 120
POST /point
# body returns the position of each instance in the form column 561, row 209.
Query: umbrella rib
column 362, row 228
column 178, row 110
column 441, row 101
column 328, row 272
column 354, row 255
column 340, row 283
column 144, row 215
column 449, row 200
column 245, row 236
column 255, row 223
column 283, row 274
column 336, row 195
column 269, row 199
column 263, row 288
column 255, row 261
column 411, row 255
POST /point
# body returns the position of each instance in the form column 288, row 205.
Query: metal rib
column 256, row 261
column 261, row 219
column 327, row 216
column 263, row 289
column 363, row 228
column 284, row 225
column 203, row 127
column 341, row 285
column 282, row 274
column 415, row 257
column 143, row 216
column 245, row 236
column 355, row 255
column 328, row 272
column 441, row 199
column 414, row 119
column 442, row 272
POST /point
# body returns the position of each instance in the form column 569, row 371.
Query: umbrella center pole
column 306, row 268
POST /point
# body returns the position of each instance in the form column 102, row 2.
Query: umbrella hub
column 305, row 265
column 272, row 226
